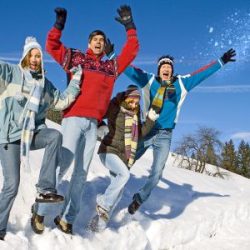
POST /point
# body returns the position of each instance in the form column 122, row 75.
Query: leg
column 83, row 157
column 161, row 147
column 119, row 177
column 10, row 161
column 66, row 155
column 51, row 140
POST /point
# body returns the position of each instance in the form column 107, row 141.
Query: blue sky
column 194, row 32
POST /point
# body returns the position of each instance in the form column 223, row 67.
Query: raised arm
column 54, row 46
column 138, row 76
column 192, row 80
column 6, row 73
column 131, row 47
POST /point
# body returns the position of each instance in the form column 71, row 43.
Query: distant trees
column 200, row 148
column 204, row 146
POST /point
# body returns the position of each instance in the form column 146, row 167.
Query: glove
column 152, row 115
column 102, row 131
column 125, row 17
column 109, row 49
column 227, row 57
column 61, row 16
column 77, row 74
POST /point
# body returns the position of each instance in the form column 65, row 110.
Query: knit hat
column 166, row 59
column 132, row 92
column 30, row 43
column 95, row 33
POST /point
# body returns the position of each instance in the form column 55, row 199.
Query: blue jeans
column 160, row 141
column 119, row 176
column 79, row 140
column 47, row 138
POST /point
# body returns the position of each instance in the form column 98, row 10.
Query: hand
column 228, row 56
column 61, row 16
column 77, row 73
column 125, row 17
column 109, row 49
column 152, row 115
column 102, row 131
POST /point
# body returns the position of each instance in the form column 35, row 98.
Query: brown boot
column 37, row 223
column 133, row 207
column 63, row 226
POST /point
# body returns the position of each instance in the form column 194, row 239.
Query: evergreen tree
column 243, row 159
column 229, row 157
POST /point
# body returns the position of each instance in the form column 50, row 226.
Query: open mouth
column 166, row 74
column 98, row 47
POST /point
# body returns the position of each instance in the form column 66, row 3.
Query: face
column 133, row 103
column 97, row 44
column 165, row 72
column 35, row 59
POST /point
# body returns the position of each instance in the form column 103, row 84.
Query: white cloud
column 241, row 136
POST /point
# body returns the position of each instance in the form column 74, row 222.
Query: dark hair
column 95, row 33
column 165, row 57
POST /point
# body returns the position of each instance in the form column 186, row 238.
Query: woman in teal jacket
column 25, row 96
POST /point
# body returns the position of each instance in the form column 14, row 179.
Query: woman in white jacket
column 25, row 96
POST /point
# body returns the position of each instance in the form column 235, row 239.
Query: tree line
column 204, row 146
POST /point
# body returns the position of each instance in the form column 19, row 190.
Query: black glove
column 61, row 16
column 125, row 17
column 228, row 56
column 109, row 48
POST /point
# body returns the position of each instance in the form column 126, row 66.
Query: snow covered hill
column 186, row 211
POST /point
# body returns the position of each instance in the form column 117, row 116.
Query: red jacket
column 98, row 76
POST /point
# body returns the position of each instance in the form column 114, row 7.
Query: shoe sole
column 48, row 201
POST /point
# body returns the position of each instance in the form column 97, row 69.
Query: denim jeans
column 79, row 140
column 160, row 141
column 47, row 138
column 119, row 176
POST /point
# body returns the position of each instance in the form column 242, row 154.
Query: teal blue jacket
column 172, row 104
column 14, row 93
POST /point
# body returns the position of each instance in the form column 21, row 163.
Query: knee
column 10, row 187
column 55, row 137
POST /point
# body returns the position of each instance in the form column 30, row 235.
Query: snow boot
column 37, row 222
column 63, row 226
column 133, row 207
column 100, row 221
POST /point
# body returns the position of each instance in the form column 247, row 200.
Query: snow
column 186, row 211
column 211, row 29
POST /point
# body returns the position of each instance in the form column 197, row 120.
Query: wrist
column 59, row 26
column 130, row 26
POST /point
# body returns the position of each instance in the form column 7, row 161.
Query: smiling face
column 132, row 103
column 35, row 59
column 166, row 72
column 97, row 44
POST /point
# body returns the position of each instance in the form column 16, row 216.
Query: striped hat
column 166, row 59
column 132, row 92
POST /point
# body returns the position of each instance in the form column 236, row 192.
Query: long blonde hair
column 26, row 62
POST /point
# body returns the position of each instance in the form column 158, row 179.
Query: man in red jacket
column 79, row 126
